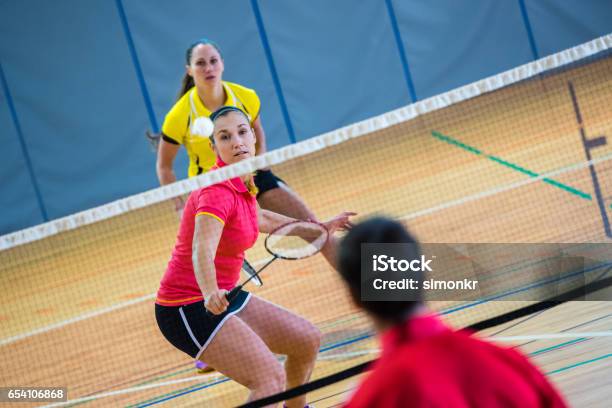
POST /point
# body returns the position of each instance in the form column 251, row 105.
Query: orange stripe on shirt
column 172, row 302
column 211, row 215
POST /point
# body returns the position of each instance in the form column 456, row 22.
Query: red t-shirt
column 425, row 364
column 229, row 202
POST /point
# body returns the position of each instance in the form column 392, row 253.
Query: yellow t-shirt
column 188, row 124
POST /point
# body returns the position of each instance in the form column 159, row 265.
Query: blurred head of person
column 379, row 230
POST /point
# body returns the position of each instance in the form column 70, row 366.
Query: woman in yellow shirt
column 202, row 92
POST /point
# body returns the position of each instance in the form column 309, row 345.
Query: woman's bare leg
column 239, row 353
column 285, row 333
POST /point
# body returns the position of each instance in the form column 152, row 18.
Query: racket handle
column 233, row 293
column 229, row 296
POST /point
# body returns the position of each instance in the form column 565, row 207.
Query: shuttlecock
column 202, row 127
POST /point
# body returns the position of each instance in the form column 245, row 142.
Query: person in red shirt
column 425, row 363
column 239, row 337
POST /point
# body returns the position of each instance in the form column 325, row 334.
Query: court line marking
column 340, row 355
column 166, row 383
column 548, row 373
column 579, row 364
column 503, row 189
column 340, row 344
column 427, row 211
column 324, row 397
column 545, row 336
column 330, row 347
column 188, row 390
column 556, row 347
column 166, row 397
column 348, row 354
column 551, row 336
column 505, row 163
column 132, row 389
column 416, row 214
column 75, row 319
column 148, row 297
column 179, row 394
column 510, row 165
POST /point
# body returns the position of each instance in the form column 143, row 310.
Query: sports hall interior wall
column 80, row 81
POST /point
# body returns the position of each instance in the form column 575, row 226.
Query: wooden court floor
column 77, row 308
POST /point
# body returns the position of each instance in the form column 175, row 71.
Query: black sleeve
column 169, row 139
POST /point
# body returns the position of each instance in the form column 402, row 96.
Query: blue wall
column 82, row 81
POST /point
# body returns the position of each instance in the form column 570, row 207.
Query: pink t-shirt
column 232, row 204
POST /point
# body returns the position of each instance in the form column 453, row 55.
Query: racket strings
column 297, row 240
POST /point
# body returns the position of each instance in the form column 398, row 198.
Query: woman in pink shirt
column 239, row 338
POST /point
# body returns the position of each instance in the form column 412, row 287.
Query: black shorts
column 189, row 328
column 265, row 180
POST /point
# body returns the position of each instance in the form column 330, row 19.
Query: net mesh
column 505, row 166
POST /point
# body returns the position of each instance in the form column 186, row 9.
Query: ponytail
column 186, row 84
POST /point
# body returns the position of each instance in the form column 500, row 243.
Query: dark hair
column 374, row 231
column 224, row 111
column 186, row 84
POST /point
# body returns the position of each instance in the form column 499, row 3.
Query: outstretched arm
column 268, row 221
column 166, row 153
